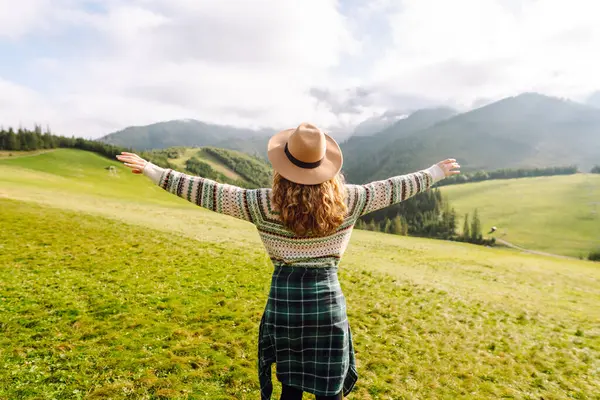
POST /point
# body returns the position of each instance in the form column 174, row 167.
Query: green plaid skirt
column 304, row 331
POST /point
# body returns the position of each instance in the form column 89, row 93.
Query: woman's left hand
column 450, row 167
column 133, row 161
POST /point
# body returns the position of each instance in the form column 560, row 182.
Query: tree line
column 596, row 169
column 509, row 173
column 427, row 214
column 29, row 140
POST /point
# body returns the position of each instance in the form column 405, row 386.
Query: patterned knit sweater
column 282, row 245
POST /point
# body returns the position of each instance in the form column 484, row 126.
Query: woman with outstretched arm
column 304, row 221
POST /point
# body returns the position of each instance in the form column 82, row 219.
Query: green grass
column 112, row 290
column 551, row 214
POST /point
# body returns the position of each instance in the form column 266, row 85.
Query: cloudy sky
column 89, row 67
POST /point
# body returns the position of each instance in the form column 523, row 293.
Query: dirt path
column 541, row 253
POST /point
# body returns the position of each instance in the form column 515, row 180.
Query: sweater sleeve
column 222, row 198
column 380, row 194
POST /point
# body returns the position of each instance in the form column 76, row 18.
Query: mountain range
column 528, row 130
column 362, row 154
column 189, row 133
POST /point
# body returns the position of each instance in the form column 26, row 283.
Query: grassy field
column 113, row 289
column 559, row 214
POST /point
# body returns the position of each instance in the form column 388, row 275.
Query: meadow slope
column 112, row 288
column 558, row 214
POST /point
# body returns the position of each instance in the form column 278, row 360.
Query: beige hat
column 305, row 155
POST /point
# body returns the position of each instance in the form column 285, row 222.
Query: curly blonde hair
column 310, row 210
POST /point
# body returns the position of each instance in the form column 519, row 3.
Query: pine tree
column 12, row 140
column 48, row 140
column 404, row 226
column 466, row 232
column 452, row 227
column 397, row 225
column 388, row 226
column 476, row 234
column 371, row 226
column 443, row 228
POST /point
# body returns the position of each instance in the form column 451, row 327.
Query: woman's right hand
column 133, row 161
column 449, row 166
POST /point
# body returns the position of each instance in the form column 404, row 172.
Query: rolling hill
column 558, row 214
column 223, row 165
column 113, row 288
column 530, row 130
column 188, row 152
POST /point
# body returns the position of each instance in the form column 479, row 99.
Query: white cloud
column 234, row 62
column 466, row 49
column 18, row 17
column 43, row 17
column 256, row 63
column 15, row 97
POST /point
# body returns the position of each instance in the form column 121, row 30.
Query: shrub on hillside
column 253, row 169
column 594, row 255
column 200, row 168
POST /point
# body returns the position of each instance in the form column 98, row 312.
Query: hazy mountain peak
column 594, row 99
column 377, row 123
column 528, row 130
column 180, row 132
column 382, row 123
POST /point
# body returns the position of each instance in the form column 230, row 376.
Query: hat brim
column 330, row 166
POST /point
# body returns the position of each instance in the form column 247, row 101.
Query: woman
column 305, row 221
